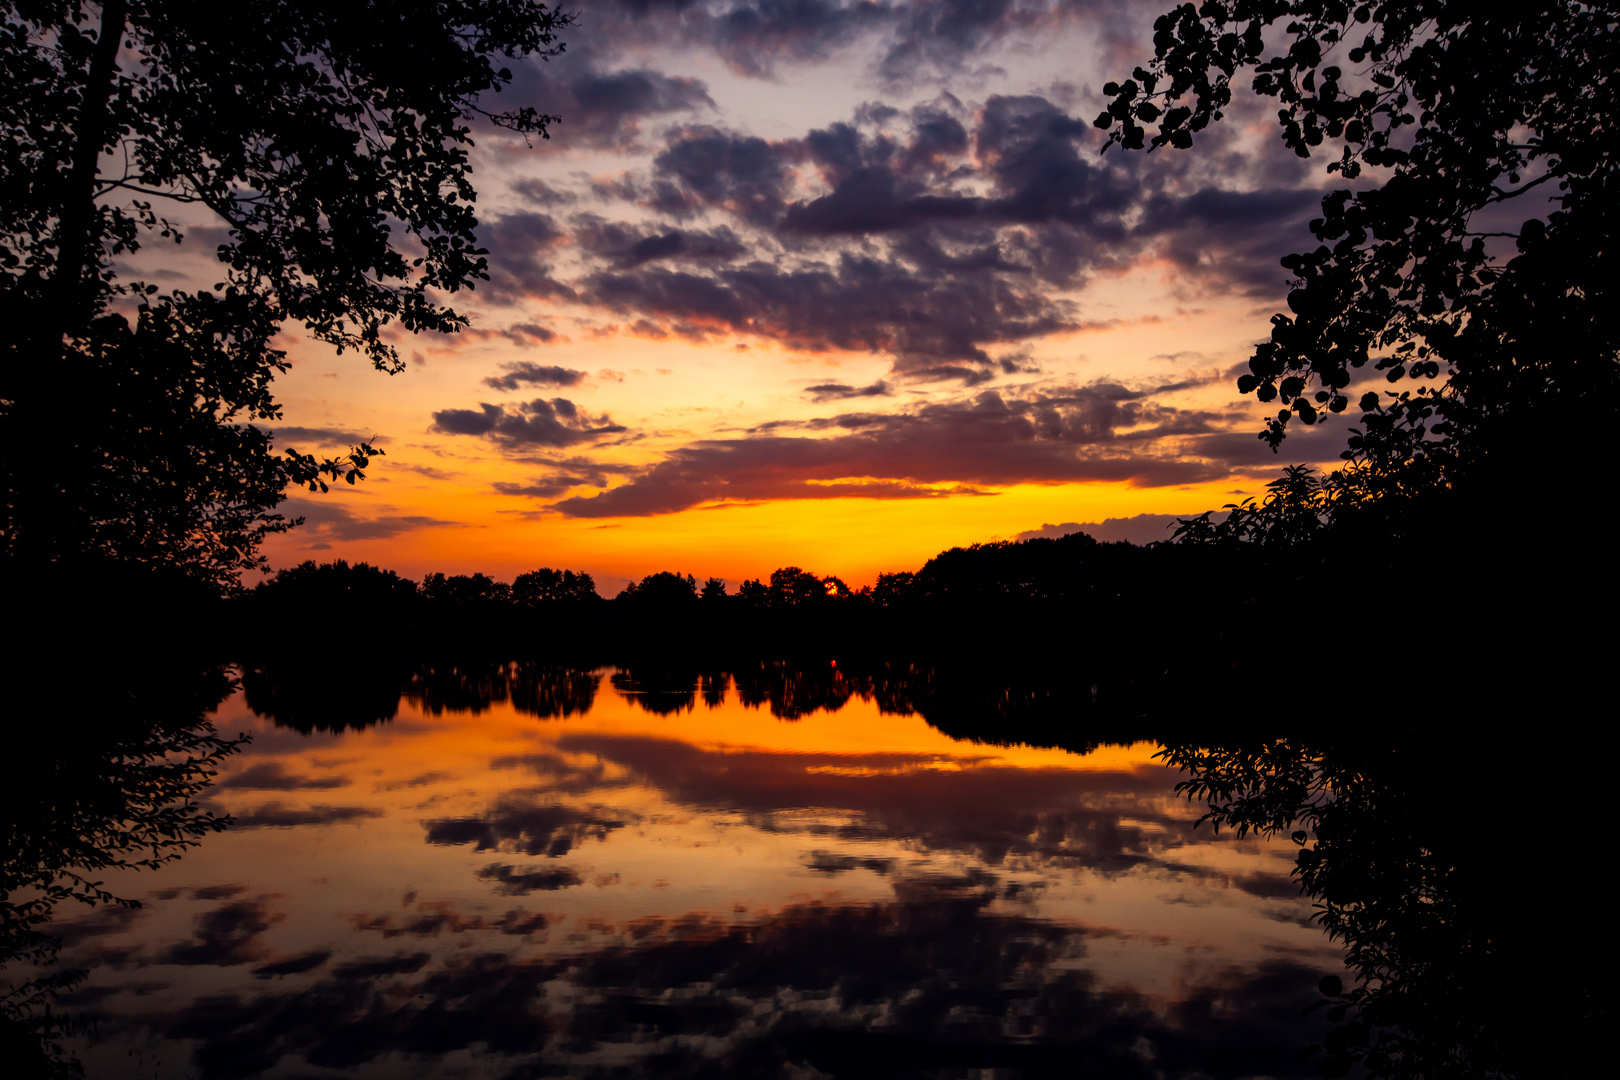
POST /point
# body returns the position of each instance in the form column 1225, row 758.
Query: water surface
column 584, row 874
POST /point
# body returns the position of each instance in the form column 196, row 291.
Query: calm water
column 685, row 884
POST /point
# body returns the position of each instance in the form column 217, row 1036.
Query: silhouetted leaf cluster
column 1475, row 256
column 329, row 143
column 103, row 769
column 1450, row 940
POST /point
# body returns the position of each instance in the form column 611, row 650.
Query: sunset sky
column 835, row 285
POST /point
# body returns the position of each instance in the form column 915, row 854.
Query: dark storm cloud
column 557, row 422
column 526, row 373
column 516, row 824
column 1104, row 431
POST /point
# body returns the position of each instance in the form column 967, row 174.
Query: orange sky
column 881, row 258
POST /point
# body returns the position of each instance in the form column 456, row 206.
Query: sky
column 826, row 284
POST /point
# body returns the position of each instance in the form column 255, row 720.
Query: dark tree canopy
column 663, row 589
column 548, row 586
column 1471, row 251
column 330, row 143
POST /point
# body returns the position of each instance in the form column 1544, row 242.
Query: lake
column 568, row 872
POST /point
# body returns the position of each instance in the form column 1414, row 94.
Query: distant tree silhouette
column 465, row 591
column 1477, row 261
column 336, row 592
column 665, row 589
column 328, row 142
column 791, row 586
column 547, row 586
column 713, row 589
column 892, row 589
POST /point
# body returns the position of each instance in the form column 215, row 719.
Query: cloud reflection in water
column 708, row 891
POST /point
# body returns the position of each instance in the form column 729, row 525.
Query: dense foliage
column 1471, row 251
column 328, row 143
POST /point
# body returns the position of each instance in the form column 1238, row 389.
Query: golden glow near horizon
column 744, row 307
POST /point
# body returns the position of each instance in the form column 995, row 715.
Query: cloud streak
column 1104, row 431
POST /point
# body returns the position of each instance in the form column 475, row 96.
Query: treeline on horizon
column 985, row 596
column 1020, row 631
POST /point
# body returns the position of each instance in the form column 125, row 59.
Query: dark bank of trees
column 1127, row 625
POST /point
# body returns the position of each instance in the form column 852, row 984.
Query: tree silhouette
column 330, row 143
column 1450, row 955
column 107, row 754
column 1476, row 258
column 548, row 586
column 664, row 591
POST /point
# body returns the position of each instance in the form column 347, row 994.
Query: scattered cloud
column 278, row 816
column 825, row 392
column 515, row 824
column 1102, row 431
column 328, row 520
column 526, row 373
column 557, row 422
column 513, row 881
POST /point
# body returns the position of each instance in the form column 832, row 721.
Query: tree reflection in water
column 1449, row 908
column 108, row 755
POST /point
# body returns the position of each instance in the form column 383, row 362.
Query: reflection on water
column 510, row 870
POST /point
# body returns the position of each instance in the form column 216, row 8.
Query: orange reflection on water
column 644, row 856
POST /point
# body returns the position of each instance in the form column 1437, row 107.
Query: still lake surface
column 587, row 876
